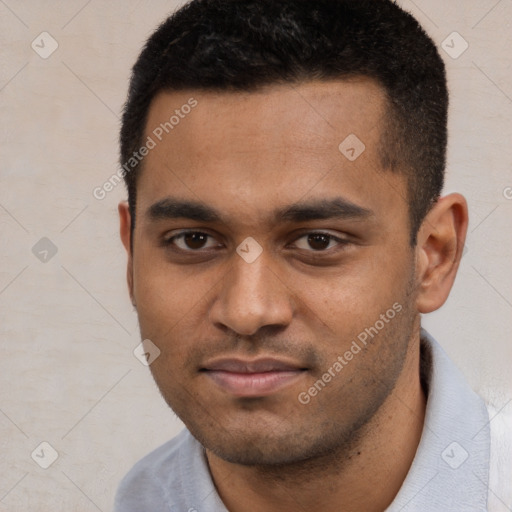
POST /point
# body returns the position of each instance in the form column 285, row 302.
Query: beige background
column 67, row 372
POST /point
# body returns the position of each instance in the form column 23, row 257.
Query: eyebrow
column 318, row 209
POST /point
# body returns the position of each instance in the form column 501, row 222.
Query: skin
column 248, row 155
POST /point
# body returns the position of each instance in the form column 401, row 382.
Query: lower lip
column 253, row 384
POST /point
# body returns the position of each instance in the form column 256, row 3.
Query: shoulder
column 152, row 480
column 500, row 467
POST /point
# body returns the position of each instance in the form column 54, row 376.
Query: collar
column 450, row 471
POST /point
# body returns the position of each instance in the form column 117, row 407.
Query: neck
column 367, row 478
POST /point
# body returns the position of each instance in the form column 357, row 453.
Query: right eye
column 191, row 241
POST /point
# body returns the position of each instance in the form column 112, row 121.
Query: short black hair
column 243, row 45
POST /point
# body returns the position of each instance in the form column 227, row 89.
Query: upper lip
column 260, row 365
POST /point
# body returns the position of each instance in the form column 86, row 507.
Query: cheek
column 351, row 303
column 172, row 308
column 163, row 299
column 356, row 290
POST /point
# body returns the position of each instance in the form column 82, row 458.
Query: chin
column 261, row 445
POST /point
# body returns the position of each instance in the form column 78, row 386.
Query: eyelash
column 170, row 242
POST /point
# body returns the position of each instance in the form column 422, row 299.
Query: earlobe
column 125, row 233
column 439, row 250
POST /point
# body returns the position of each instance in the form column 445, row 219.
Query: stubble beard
column 314, row 444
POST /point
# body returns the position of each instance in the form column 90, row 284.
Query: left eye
column 317, row 241
column 192, row 241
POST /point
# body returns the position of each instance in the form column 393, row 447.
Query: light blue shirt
column 449, row 473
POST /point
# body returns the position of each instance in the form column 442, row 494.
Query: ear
column 125, row 223
column 439, row 250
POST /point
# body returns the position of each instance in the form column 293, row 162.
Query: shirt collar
column 450, row 471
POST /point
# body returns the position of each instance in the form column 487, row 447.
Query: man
column 285, row 231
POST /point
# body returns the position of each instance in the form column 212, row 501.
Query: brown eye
column 192, row 241
column 195, row 240
column 319, row 241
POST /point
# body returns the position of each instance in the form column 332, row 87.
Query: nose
column 252, row 296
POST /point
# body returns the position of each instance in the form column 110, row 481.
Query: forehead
column 244, row 150
column 320, row 110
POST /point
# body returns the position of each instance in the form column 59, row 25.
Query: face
column 272, row 269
